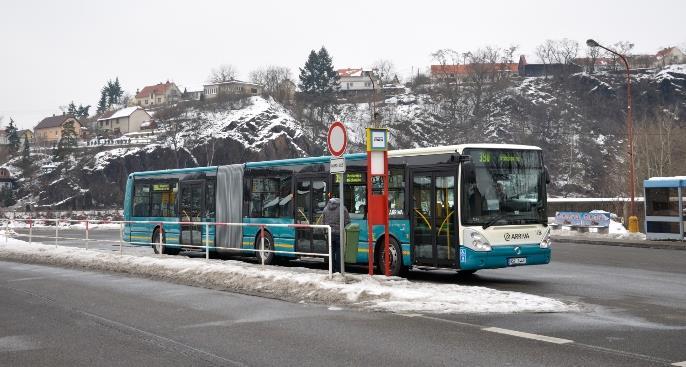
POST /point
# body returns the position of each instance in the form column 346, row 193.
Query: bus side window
column 285, row 197
column 163, row 200
column 141, row 200
column 264, row 197
column 210, row 195
column 396, row 192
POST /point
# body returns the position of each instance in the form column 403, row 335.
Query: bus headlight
column 476, row 241
column 546, row 242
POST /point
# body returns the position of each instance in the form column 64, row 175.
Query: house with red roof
column 158, row 94
column 460, row 72
column 670, row 56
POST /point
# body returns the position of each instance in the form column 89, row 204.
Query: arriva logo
column 516, row 236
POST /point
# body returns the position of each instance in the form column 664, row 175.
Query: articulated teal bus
column 462, row 207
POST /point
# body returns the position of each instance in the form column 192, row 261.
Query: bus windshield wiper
column 496, row 218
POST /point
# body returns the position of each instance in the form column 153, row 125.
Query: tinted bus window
column 141, row 200
column 264, row 197
column 163, row 200
column 355, row 190
column 396, row 192
column 286, row 197
column 210, row 195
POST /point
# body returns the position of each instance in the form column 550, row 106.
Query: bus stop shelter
column 664, row 207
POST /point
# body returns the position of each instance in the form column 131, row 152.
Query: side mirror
column 468, row 172
column 547, row 175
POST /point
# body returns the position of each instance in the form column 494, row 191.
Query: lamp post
column 633, row 220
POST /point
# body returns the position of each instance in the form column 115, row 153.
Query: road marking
column 521, row 334
column 680, row 364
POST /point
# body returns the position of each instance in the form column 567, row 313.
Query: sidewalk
column 623, row 242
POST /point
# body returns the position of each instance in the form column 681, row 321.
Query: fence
column 87, row 225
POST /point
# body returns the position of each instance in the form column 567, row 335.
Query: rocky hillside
column 196, row 134
column 578, row 119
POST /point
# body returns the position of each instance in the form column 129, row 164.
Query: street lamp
column 633, row 220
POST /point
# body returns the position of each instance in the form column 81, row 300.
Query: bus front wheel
column 268, row 245
column 161, row 248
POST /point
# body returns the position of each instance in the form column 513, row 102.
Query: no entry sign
column 337, row 139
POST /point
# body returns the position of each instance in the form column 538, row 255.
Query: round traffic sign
column 337, row 139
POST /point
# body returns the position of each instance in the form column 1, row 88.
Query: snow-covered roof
column 456, row 148
column 124, row 112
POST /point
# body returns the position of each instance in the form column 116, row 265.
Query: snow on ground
column 616, row 231
column 376, row 293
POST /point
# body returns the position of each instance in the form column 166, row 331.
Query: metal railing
column 161, row 244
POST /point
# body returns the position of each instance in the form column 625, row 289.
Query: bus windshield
column 504, row 187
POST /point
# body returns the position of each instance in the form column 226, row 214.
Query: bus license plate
column 516, row 261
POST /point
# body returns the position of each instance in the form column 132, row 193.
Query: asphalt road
column 634, row 315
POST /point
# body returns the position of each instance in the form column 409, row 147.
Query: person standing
column 331, row 217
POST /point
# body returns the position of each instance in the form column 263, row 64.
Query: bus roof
column 447, row 149
column 352, row 157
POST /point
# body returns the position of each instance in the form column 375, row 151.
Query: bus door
column 310, row 200
column 434, row 218
column 191, row 209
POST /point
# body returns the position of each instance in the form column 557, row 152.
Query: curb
column 662, row 245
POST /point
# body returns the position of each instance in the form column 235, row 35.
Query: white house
column 357, row 79
column 123, row 121
column 670, row 56
column 232, row 87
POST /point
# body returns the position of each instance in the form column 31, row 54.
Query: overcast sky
column 53, row 52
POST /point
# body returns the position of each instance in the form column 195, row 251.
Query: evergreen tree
column 328, row 79
column 71, row 110
column 82, row 111
column 310, row 74
column 67, row 142
column 7, row 196
column 26, row 152
column 13, row 137
column 102, row 103
column 114, row 92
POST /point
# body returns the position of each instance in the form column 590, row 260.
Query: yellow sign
column 351, row 178
column 160, row 187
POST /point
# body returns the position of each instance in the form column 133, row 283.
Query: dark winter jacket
column 331, row 215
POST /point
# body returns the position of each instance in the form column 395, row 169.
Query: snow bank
column 616, row 231
column 292, row 284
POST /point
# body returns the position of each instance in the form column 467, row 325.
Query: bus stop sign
column 337, row 139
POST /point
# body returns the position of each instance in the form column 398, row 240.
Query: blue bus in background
column 462, row 207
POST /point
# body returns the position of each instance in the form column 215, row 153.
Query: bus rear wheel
column 269, row 257
column 162, row 249
column 395, row 256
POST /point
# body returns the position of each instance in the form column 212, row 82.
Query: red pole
column 387, row 255
column 370, row 233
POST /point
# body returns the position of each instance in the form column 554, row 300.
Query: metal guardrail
column 87, row 224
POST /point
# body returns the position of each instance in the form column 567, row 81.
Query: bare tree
column 448, row 82
column 623, row 48
column 546, row 54
column 222, row 73
column 566, row 51
column 656, row 140
column 272, row 78
column 385, row 70
column 592, row 55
